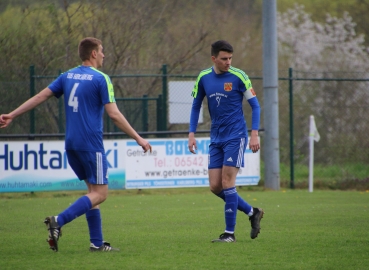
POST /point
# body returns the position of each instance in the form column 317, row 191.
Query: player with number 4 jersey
column 87, row 93
column 86, row 90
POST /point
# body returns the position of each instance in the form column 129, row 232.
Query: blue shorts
column 230, row 153
column 90, row 166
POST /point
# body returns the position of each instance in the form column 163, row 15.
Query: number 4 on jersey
column 73, row 100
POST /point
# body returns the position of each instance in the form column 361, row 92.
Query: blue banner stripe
column 151, row 142
column 191, row 182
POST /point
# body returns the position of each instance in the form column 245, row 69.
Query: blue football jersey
column 225, row 93
column 86, row 90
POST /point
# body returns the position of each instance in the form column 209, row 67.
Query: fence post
column 32, row 93
column 145, row 113
column 159, row 110
column 292, row 172
column 165, row 98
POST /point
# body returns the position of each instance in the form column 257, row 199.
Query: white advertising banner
column 171, row 164
column 42, row 166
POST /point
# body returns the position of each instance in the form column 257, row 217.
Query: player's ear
column 93, row 53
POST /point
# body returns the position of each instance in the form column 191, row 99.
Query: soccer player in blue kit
column 225, row 88
column 87, row 92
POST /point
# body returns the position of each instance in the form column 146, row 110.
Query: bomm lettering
column 180, row 147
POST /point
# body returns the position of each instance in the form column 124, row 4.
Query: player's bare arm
column 121, row 122
column 6, row 119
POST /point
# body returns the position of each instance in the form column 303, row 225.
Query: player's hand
column 145, row 145
column 5, row 120
column 254, row 144
column 192, row 147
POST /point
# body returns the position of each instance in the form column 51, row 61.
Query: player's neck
column 217, row 71
column 89, row 63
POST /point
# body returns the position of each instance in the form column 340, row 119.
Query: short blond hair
column 86, row 46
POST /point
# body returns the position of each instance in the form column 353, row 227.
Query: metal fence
column 339, row 102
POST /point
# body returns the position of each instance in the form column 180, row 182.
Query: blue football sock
column 94, row 226
column 78, row 208
column 242, row 204
column 221, row 195
column 230, row 208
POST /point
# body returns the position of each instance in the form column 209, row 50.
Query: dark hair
column 86, row 46
column 220, row 45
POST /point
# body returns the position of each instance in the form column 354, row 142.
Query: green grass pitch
column 173, row 229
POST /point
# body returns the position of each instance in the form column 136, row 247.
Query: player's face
column 100, row 57
column 222, row 62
